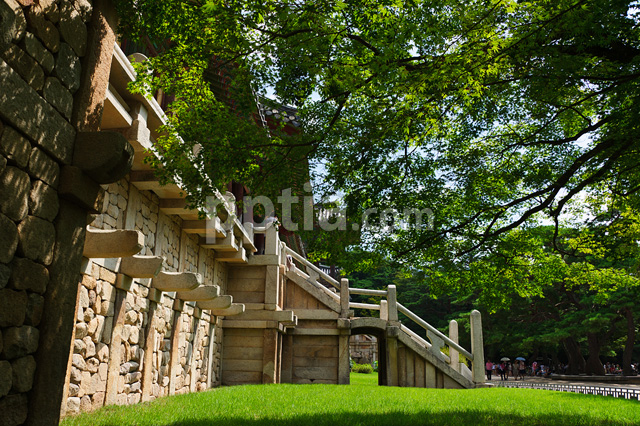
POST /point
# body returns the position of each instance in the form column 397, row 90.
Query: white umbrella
column 505, row 359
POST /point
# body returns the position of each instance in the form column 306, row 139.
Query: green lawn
column 364, row 379
column 362, row 404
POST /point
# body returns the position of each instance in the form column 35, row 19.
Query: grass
column 362, row 404
column 361, row 379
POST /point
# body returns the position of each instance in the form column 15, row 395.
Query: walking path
column 574, row 384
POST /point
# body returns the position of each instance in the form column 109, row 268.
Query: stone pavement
column 573, row 381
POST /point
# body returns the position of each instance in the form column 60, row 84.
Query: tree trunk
column 576, row 360
column 594, row 365
column 628, row 347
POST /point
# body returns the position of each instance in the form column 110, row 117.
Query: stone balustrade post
column 477, row 347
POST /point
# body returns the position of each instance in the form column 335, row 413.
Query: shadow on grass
column 454, row 418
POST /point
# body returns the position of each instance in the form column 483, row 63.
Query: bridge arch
column 374, row 327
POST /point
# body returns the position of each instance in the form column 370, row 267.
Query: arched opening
column 370, row 345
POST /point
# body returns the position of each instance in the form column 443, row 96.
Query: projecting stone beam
column 112, row 243
column 104, row 156
column 141, row 266
column 280, row 316
column 234, row 309
column 238, row 257
column 176, row 281
column 210, row 227
column 227, row 243
column 221, row 302
column 207, row 292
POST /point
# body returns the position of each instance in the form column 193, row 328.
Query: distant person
column 534, row 368
column 502, row 368
column 522, row 370
column 514, row 370
column 489, row 368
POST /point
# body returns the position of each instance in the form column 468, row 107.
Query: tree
column 491, row 114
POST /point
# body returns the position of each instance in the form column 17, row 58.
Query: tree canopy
column 492, row 114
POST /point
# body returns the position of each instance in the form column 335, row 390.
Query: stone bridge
column 295, row 329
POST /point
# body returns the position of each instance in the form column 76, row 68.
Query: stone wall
column 41, row 46
column 131, row 342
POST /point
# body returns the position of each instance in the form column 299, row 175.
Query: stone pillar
column 271, row 288
column 392, row 303
column 392, row 355
column 56, row 333
column 344, row 326
column 269, row 355
column 115, row 353
column 174, row 361
column 453, row 354
column 477, row 347
column 344, row 298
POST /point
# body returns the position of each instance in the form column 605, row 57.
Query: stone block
column 78, row 361
column 90, row 346
column 27, row 67
column 20, row 341
column 97, row 400
column 103, row 371
column 29, row 113
column 15, row 186
column 35, row 307
column 85, row 404
column 23, row 370
column 8, row 241
column 102, row 352
column 83, row 297
column 12, row 22
column 36, row 239
column 73, row 390
column 92, row 365
column 43, row 167
column 73, row 405
column 76, row 187
column 58, row 96
column 76, row 375
column 89, row 282
column 81, row 331
column 37, row 51
column 43, row 201
column 28, row 275
column 67, row 67
column 15, row 147
column 97, row 335
column 13, row 308
column 88, row 317
column 72, row 28
column 79, row 347
column 14, row 409
column 44, row 29
column 5, row 274
column 108, row 276
column 6, row 378
column 104, row 156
